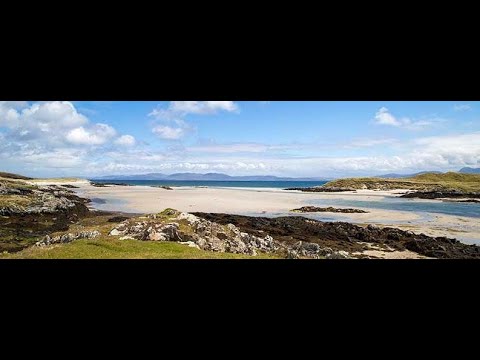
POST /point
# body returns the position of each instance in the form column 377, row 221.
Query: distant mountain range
column 469, row 170
column 225, row 177
column 204, row 177
column 398, row 176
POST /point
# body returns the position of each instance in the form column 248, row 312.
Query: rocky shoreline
column 321, row 189
column 309, row 209
column 107, row 184
column 28, row 212
column 342, row 236
column 461, row 196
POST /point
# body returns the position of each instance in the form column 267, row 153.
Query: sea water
column 404, row 204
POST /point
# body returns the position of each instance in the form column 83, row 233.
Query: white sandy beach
column 274, row 202
column 145, row 199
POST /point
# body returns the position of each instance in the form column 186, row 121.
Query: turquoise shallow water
column 401, row 204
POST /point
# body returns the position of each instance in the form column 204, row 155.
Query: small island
column 450, row 185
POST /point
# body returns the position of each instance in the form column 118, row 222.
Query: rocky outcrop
column 191, row 230
column 29, row 212
column 106, row 184
column 7, row 189
column 445, row 194
column 117, row 219
column 39, row 200
column 322, row 189
column 342, row 236
column 66, row 238
column 314, row 251
column 308, row 209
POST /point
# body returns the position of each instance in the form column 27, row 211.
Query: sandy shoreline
column 274, row 202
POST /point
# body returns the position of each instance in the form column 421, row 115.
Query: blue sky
column 318, row 139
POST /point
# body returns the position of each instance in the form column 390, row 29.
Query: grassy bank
column 423, row 182
column 110, row 247
column 6, row 175
column 113, row 248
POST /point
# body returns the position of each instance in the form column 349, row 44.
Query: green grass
column 113, row 248
column 429, row 181
column 466, row 182
column 6, row 175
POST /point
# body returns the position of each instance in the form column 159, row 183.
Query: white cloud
column 51, row 135
column 53, row 123
column 46, row 122
column 168, row 133
column 8, row 115
column 231, row 167
column 383, row 117
column 32, row 156
column 57, row 159
column 451, row 149
column 211, row 147
column 177, row 110
column 165, row 114
column 462, row 107
column 49, row 116
column 369, row 142
column 202, row 107
column 230, row 148
column 96, row 135
column 126, row 140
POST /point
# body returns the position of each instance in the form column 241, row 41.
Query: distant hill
column 203, row 177
column 6, row 175
column 400, row 176
column 469, row 170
